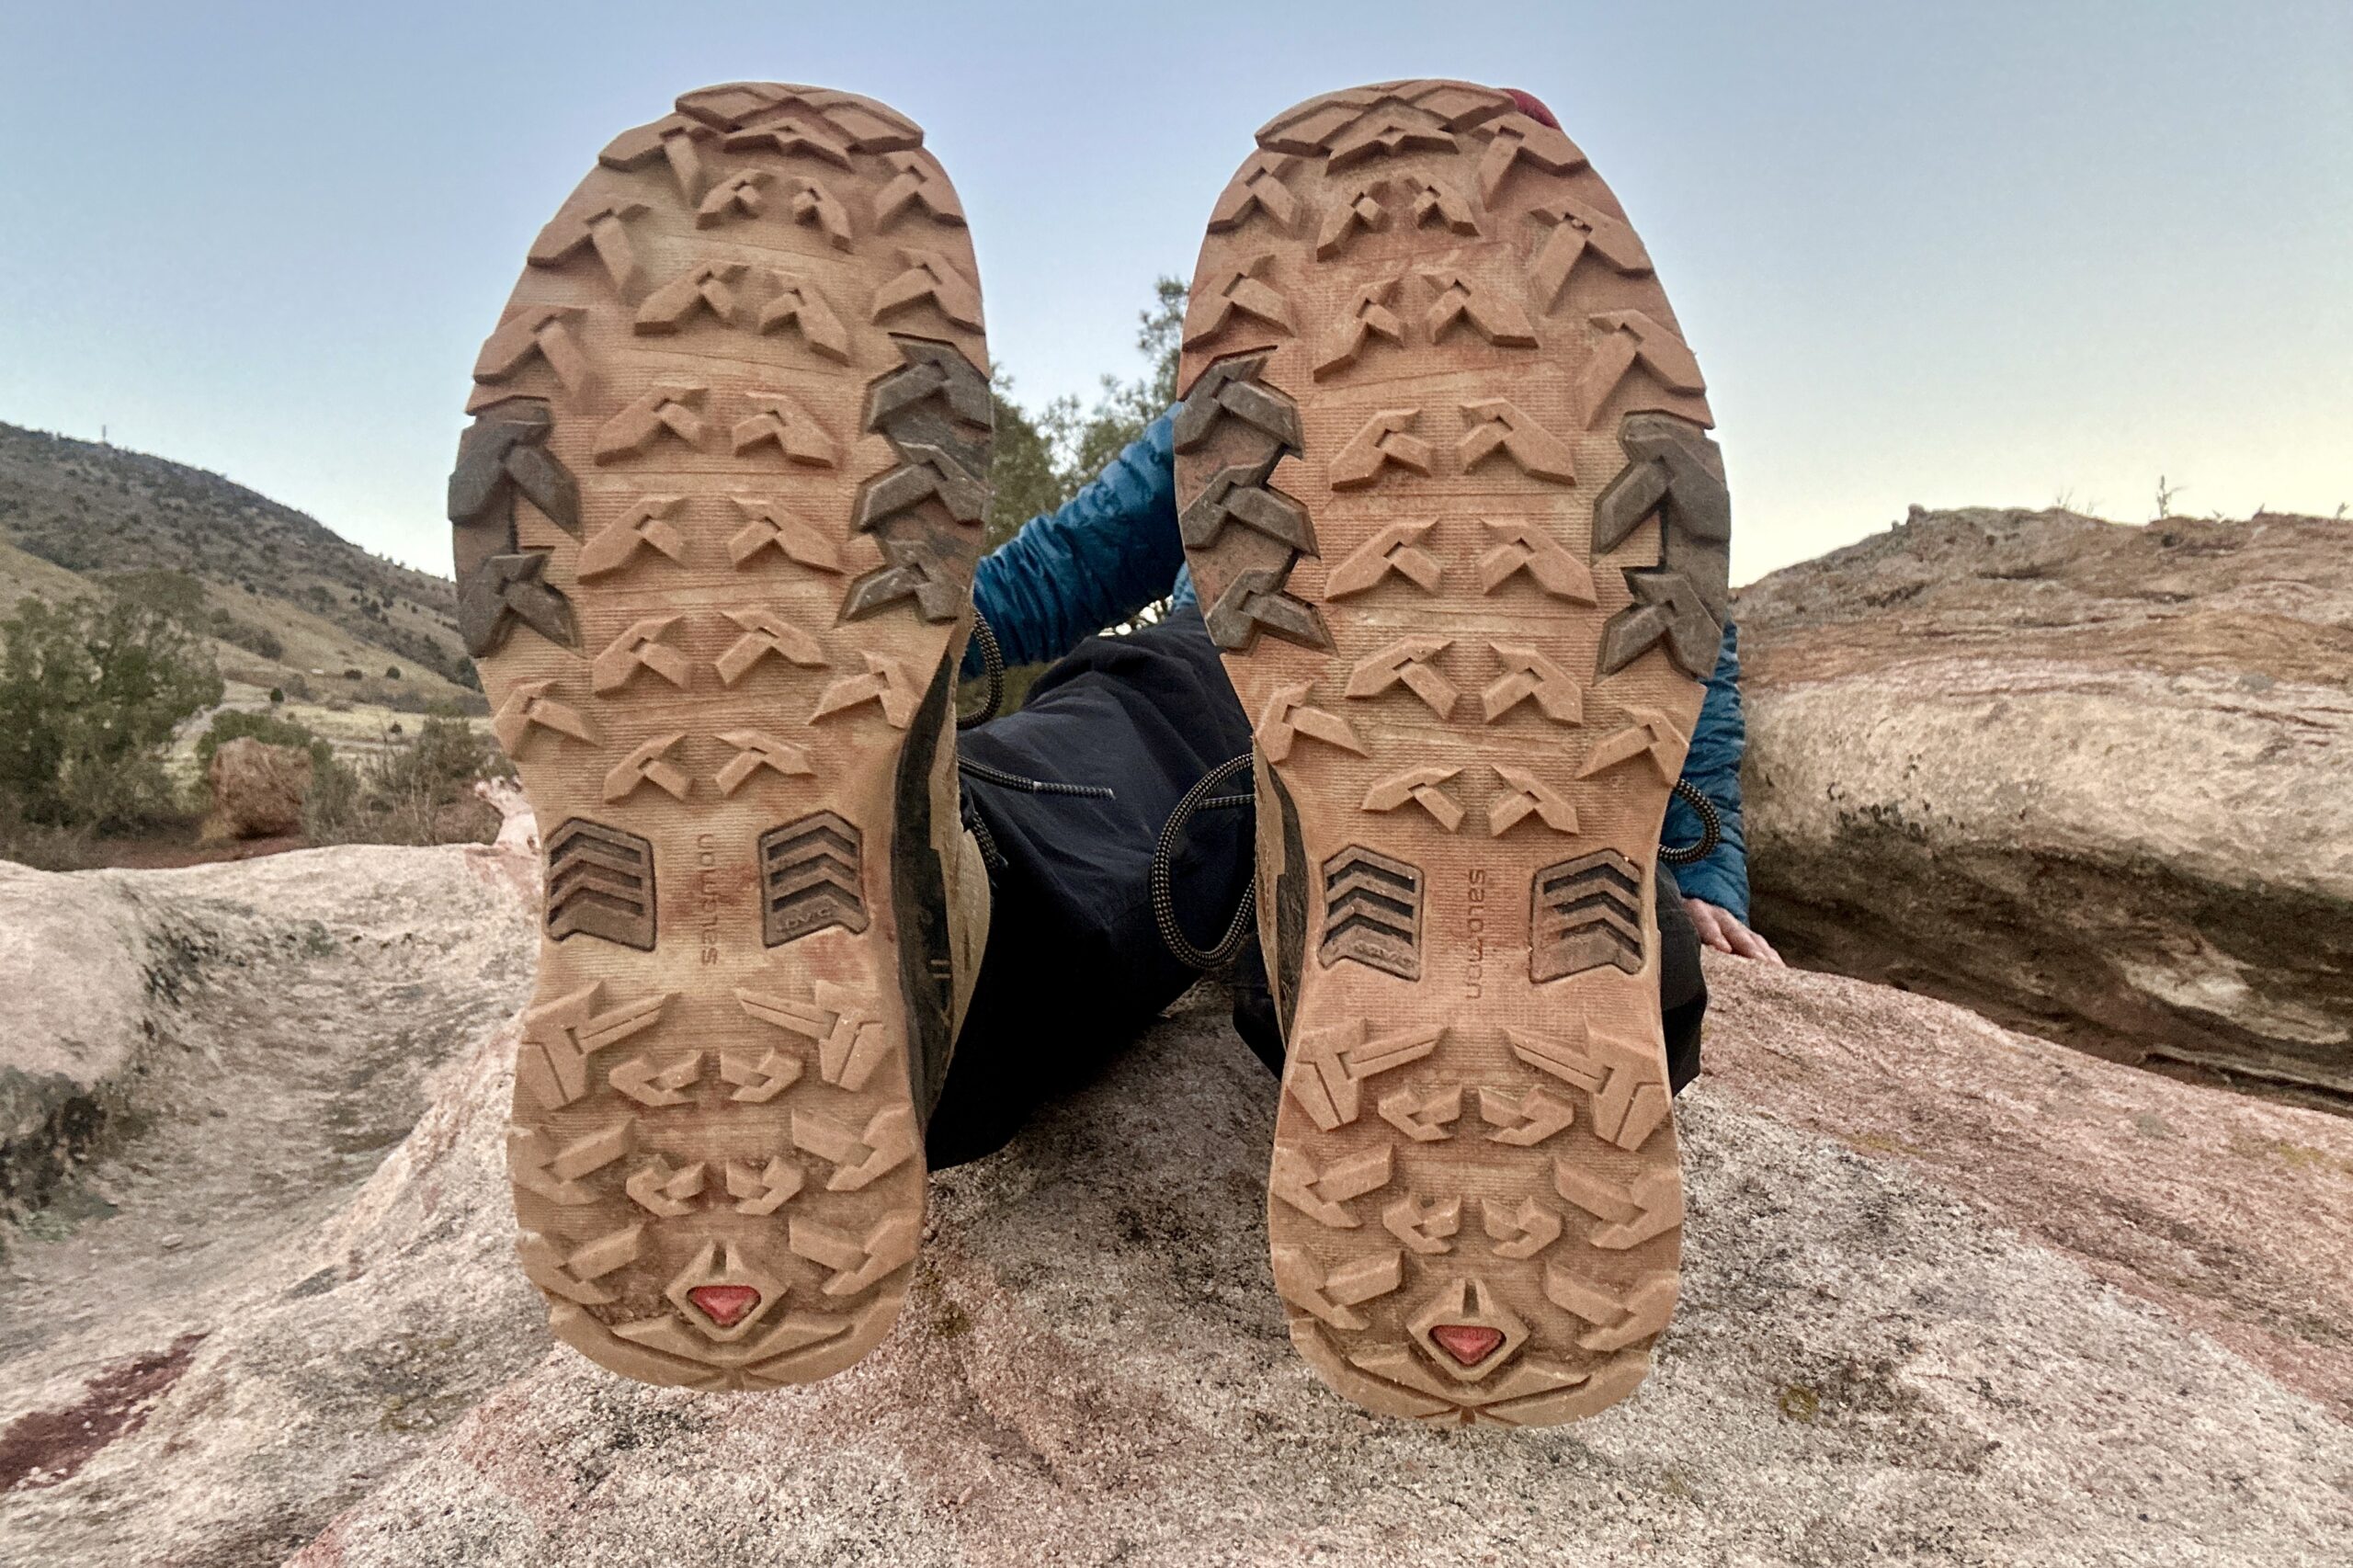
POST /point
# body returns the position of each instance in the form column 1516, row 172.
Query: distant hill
column 287, row 600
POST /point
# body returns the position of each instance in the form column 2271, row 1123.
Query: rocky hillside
column 283, row 594
column 2090, row 779
column 1952, row 1296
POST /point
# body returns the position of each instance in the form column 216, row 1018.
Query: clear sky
column 1953, row 254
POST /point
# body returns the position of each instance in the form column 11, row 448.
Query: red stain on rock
column 43, row 1447
column 724, row 1304
column 325, row 1550
column 1467, row 1343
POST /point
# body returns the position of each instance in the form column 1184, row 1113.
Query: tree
column 1024, row 477
column 1124, row 408
column 1042, row 460
column 89, row 696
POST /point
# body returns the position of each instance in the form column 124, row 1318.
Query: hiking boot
column 1457, row 526
column 717, row 515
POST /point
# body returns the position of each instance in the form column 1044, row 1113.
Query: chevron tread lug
column 715, row 514
column 1459, row 529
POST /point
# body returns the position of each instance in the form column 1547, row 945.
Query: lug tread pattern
column 716, row 518
column 1459, row 531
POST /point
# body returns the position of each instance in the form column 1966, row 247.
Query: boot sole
column 716, row 518
column 1456, row 523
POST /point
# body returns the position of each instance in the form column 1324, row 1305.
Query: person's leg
column 1682, row 989
column 1076, row 965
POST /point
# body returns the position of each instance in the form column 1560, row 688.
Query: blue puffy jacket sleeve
column 1713, row 766
column 1108, row 551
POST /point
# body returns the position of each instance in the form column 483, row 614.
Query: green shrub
column 443, row 761
column 332, row 812
column 89, row 696
column 260, row 640
column 45, row 847
column 267, row 728
column 415, row 791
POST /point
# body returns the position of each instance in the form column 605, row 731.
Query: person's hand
column 1721, row 929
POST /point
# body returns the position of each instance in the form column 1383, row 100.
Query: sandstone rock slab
column 2089, row 779
column 78, row 960
column 172, row 1288
column 1889, row 1348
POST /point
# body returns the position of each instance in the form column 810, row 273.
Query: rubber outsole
column 716, row 518
column 1455, row 520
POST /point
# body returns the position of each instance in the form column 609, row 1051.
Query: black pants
column 1075, row 968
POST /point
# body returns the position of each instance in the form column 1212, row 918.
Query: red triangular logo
column 726, row 1304
column 1467, row 1343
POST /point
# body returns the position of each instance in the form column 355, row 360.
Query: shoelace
column 992, row 670
column 1711, row 828
column 1164, row 875
column 998, row 775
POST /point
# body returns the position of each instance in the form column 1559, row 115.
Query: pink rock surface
column 2231, row 1213
column 1952, row 1295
